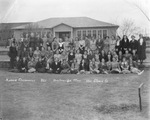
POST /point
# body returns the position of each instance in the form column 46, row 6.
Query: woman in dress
column 93, row 46
column 26, row 41
column 125, row 66
column 45, row 40
column 78, row 56
column 133, row 44
column 81, row 45
column 65, row 67
column 74, row 67
column 125, row 44
column 30, row 53
column 76, row 43
column 109, row 63
column 71, row 57
column 103, row 67
column 93, row 67
column 102, row 56
column 134, row 69
column 82, row 67
column 112, row 43
column 118, row 44
column 31, row 65
column 100, row 44
column 106, row 44
column 141, row 48
column 115, row 66
column 57, row 55
column 60, row 45
column 37, row 54
column 54, row 45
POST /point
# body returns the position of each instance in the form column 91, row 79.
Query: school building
column 70, row 26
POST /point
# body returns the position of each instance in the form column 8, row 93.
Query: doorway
column 64, row 34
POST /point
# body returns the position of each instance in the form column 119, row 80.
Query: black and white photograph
column 74, row 60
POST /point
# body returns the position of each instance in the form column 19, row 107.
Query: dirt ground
column 73, row 97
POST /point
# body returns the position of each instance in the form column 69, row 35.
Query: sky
column 112, row 11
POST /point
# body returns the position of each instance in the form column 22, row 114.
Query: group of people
column 86, row 55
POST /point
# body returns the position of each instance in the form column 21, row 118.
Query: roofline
column 115, row 26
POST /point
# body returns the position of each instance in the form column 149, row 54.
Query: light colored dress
column 112, row 45
column 93, row 45
column 45, row 42
column 78, row 57
column 106, row 45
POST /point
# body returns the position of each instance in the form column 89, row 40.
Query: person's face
column 140, row 35
column 114, row 59
column 30, row 49
column 42, row 48
column 25, row 49
column 24, row 58
column 127, row 52
column 103, row 60
column 12, row 44
column 60, row 40
column 132, row 37
column 27, row 35
column 125, row 37
column 56, row 60
column 32, row 34
column 48, row 48
column 85, row 52
column 37, row 48
column 78, row 51
column 93, row 60
column 75, row 60
column 82, row 60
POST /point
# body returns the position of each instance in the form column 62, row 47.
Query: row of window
column 92, row 33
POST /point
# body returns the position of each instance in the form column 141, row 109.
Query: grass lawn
column 73, row 97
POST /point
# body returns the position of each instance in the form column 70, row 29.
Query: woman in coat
column 125, row 44
column 141, row 48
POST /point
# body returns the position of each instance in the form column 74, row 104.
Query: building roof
column 75, row 22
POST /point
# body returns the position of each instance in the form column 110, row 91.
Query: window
column 94, row 33
column 89, row 33
column 100, row 33
column 84, row 34
column 104, row 33
column 79, row 34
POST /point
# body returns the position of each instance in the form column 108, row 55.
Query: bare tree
column 128, row 28
column 139, row 6
column 34, row 27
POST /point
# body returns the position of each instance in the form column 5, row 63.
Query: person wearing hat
column 133, row 44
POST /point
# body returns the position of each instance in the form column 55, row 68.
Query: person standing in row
column 125, row 44
column 12, row 54
column 32, row 42
column 141, row 48
column 133, row 44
